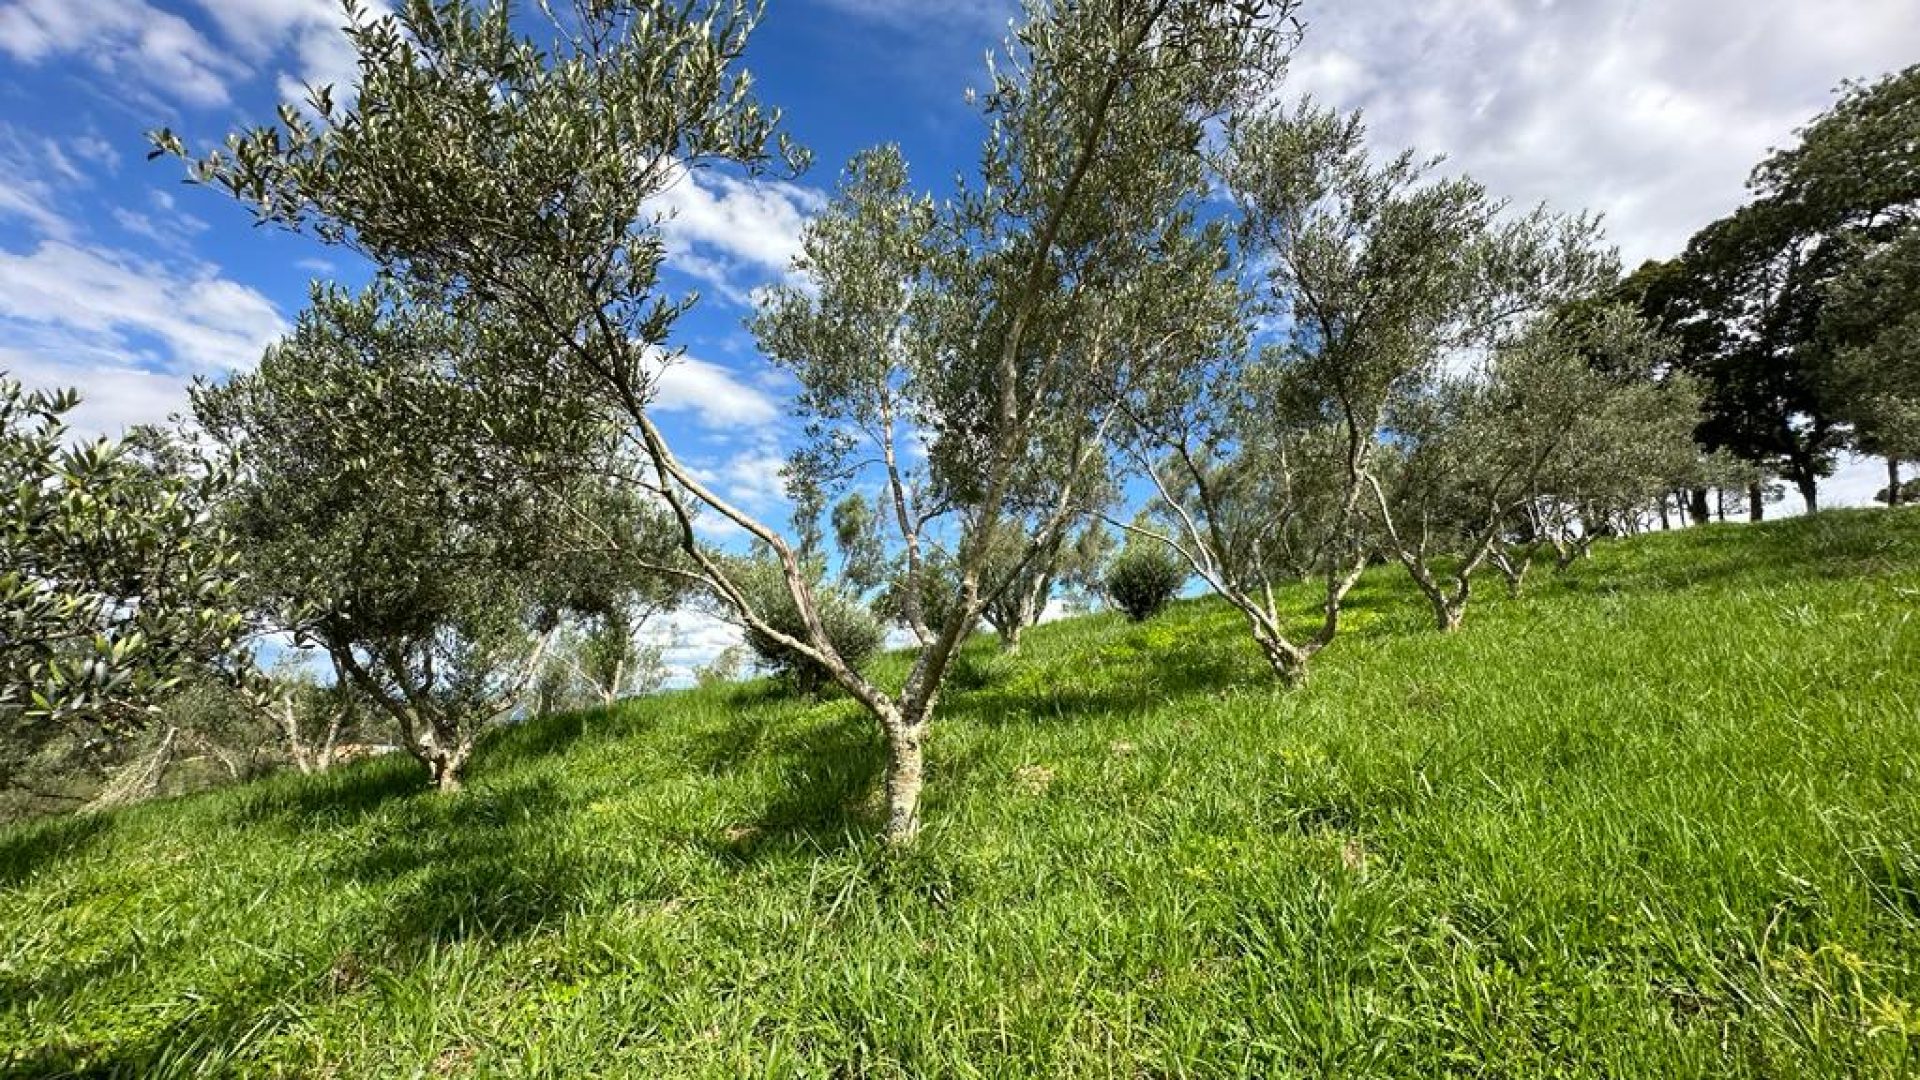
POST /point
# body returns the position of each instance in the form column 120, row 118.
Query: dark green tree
column 1144, row 578
column 1747, row 301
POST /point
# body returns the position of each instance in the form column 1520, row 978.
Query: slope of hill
column 1657, row 817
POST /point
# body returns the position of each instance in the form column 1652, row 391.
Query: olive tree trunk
column 906, row 772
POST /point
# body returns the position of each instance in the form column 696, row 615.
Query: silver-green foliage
column 115, row 583
column 379, row 521
column 1571, row 421
column 1367, row 277
column 1144, row 579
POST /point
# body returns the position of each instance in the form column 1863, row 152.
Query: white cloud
column 113, row 396
column 172, row 230
column 127, row 332
column 1653, row 113
column 934, row 21
column 97, row 150
column 121, row 39
column 690, row 638
column 753, row 479
column 714, row 393
column 28, row 192
column 732, row 233
column 311, row 30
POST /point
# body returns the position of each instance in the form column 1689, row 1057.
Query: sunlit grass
column 1658, row 817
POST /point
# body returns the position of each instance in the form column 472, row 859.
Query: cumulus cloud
column 689, row 639
column 714, row 394
column 113, row 396
column 753, row 479
column 734, row 234
column 124, row 39
column 164, row 54
column 1653, row 113
column 127, row 332
column 310, row 30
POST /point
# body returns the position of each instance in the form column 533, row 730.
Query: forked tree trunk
column 1894, row 495
column 1514, row 570
column 448, row 768
column 1288, row 661
column 1448, row 608
column 1568, row 552
column 1010, row 638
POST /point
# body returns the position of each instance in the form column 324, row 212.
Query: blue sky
column 118, row 279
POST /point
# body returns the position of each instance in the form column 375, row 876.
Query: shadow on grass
column 823, row 795
column 24, row 850
column 340, row 796
column 481, row 863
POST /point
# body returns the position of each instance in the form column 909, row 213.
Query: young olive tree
column 1027, row 583
column 598, row 658
column 516, row 172
column 431, row 565
column 1635, row 446
column 1004, row 326
column 1144, row 578
column 1473, row 452
column 1374, row 273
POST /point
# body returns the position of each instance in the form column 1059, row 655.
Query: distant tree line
column 1798, row 311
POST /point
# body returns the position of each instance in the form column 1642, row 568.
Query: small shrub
column 855, row 633
column 1144, row 579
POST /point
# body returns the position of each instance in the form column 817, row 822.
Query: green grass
column 1657, row 818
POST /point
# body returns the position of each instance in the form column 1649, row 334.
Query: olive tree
column 1476, row 450
column 115, row 582
column 432, row 566
column 598, row 658
column 1372, row 275
column 515, row 170
column 1006, row 324
column 1144, row 578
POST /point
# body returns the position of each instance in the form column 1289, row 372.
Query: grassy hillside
column 1657, row 818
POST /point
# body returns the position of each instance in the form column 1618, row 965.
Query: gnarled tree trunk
column 906, row 765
